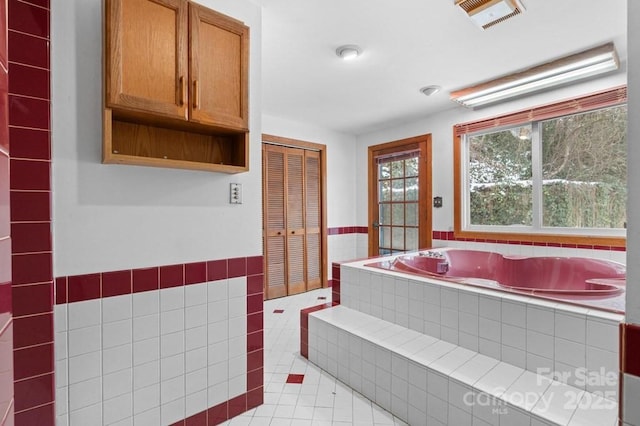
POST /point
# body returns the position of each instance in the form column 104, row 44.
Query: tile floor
column 319, row 400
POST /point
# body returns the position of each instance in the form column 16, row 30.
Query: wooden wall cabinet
column 176, row 86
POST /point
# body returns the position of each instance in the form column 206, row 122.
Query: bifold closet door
column 274, row 221
column 292, row 208
column 295, row 221
column 313, row 213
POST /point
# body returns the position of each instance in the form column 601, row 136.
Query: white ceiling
column 409, row 44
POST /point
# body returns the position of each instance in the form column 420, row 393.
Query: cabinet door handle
column 195, row 94
column 183, row 91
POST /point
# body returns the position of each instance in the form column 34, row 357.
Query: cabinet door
column 147, row 56
column 218, row 66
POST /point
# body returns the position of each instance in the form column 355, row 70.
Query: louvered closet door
column 313, row 213
column 275, row 226
column 293, row 220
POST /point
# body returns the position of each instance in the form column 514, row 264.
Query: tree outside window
column 566, row 172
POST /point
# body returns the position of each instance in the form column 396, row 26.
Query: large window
column 560, row 173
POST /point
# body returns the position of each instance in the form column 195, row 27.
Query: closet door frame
column 321, row 149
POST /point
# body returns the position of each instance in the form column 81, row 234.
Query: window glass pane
column 397, row 215
column 397, row 169
column 385, row 237
column 500, row 175
column 412, row 239
column 385, row 190
column 397, row 235
column 384, row 171
column 397, row 190
column 411, row 187
column 584, row 169
column 577, row 184
column 385, row 214
column 411, row 214
column 411, row 167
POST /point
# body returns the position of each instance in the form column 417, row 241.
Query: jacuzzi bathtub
column 552, row 276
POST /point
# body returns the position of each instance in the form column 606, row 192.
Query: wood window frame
column 602, row 99
column 322, row 149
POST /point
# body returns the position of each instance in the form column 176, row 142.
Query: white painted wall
column 441, row 128
column 633, row 157
column 631, row 413
column 341, row 190
column 112, row 217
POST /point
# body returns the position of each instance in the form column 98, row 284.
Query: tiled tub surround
column 174, row 345
column 580, row 281
column 520, row 336
column 427, row 381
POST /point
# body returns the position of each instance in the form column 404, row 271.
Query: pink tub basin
column 554, row 275
column 572, row 275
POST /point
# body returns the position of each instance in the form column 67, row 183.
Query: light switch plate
column 235, row 193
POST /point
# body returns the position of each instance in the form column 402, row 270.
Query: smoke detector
column 487, row 13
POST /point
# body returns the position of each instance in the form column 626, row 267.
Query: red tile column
column 30, row 184
column 6, row 320
column 255, row 331
column 630, row 347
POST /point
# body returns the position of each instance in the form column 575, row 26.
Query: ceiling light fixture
column 487, row 13
column 430, row 90
column 569, row 69
column 348, row 52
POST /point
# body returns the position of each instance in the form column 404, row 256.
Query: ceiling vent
column 487, row 13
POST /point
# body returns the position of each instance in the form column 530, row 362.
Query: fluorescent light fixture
column 486, row 13
column 561, row 71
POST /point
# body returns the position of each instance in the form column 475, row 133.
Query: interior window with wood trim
column 555, row 173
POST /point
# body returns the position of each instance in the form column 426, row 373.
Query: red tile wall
column 304, row 325
column 449, row 236
column 6, row 319
column 347, row 230
column 630, row 348
column 304, row 313
column 32, row 289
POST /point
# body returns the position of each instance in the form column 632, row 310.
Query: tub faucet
column 432, row 254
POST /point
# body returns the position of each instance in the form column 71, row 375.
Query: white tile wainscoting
column 151, row 358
